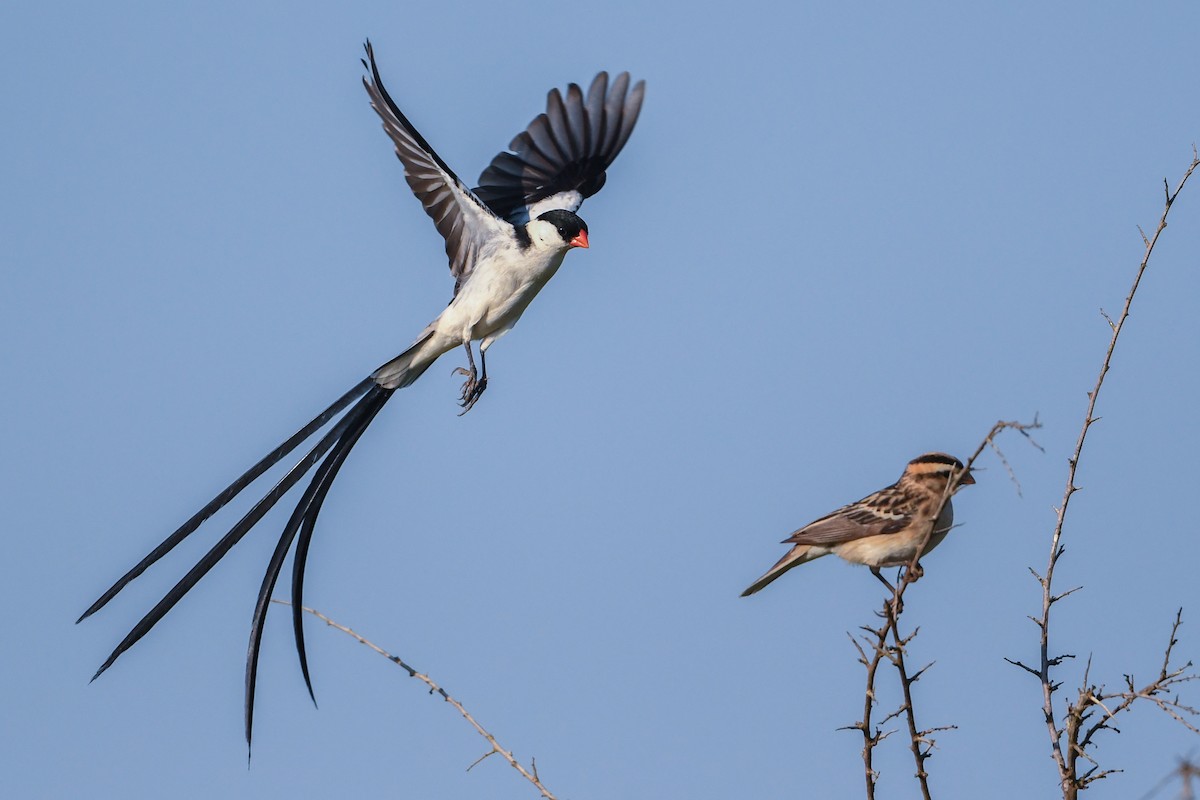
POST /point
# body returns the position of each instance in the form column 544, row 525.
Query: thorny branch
column 529, row 774
column 1070, row 741
column 921, row 742
column 1092, row 697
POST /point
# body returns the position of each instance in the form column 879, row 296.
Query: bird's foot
column 894, row 601
column 472, row 389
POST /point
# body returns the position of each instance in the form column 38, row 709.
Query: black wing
column 461, row 218
column 560, row 159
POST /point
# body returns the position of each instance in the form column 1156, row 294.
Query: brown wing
column 886, row 511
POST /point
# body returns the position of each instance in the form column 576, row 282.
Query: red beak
column 579, row 241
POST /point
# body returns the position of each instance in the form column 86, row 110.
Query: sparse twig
column 1069, row 742
column 1080, row 735
column 529, row 775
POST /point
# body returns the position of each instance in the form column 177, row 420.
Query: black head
column 572, row 229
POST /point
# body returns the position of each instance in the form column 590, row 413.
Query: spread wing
column 462, row 219
column 560, row 159
column 886, row 511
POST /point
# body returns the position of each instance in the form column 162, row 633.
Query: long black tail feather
column 231, row 491
column 303, row 519
column 300, row 558
column 236, row 533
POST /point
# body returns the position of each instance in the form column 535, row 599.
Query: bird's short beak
column 967, row 479
column 579, row 241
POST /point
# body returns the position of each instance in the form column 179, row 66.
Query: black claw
column 475, row 384
column 471, row 392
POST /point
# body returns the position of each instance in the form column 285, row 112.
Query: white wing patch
column 568, row 201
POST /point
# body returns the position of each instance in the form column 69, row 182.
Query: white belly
column 495, row 297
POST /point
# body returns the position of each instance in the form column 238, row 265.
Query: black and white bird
column 883, row 529
column 505, row 239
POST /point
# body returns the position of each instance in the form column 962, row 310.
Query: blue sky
column 838, row 238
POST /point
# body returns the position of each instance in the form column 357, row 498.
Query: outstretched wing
column 886, row 511
column 462, row 219
column 560, row 159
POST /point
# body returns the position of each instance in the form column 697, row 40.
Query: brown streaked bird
column 883, row 529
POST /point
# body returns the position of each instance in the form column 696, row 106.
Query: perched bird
column 883, row 529
column 505, row 239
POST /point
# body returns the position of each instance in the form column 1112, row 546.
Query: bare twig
column 1070, row 741
column 529, row 775
column 872, row 733
column 1081, row 736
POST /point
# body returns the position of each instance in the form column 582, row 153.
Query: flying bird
column 505, row 239
column 883, row 529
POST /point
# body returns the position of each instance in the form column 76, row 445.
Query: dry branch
column 529, row 774
column 1070, row 740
